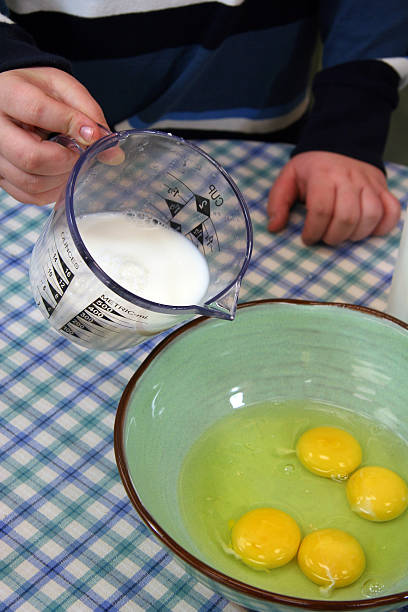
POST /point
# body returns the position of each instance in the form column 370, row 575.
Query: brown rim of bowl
column 179, row 551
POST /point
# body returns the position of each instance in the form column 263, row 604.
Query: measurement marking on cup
column 174, row 207
column 191, row 216
column 98, row 318
column 50, row 309
column 69, row 275
column 92, row 328
column 83, row 328
column 54, row 292
column 86, row 317
column 61, row 280
column 69, row 331
column 62, row 284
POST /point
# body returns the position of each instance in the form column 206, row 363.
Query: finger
column 112, row 156
column 371, row 208
column 31, row 183
column 391, row 214
column 66, row 88
column 28, row 198
column 36, row 133
column 23, row 150
column 28, row 103
column 283, row 194
column 346, row 215
column 320, row 204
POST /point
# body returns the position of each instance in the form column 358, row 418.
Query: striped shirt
column 229, row 68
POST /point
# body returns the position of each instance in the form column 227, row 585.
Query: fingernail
column 86, row 133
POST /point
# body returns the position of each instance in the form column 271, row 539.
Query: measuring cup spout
column 225, row 306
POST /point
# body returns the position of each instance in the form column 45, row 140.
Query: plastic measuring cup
column 151, row 175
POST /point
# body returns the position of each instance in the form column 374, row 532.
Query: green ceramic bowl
column 356, row 357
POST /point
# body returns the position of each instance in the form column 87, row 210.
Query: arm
column 18, row 49
column 343, row 186
column 39, row 96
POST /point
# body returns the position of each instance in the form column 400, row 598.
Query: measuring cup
column 150, row 175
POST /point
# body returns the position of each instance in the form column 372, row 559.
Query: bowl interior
column 273, row 350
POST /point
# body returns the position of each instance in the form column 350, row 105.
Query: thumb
column 70, row 108
column 391, row 216
column 86, row 122
column 282, row 196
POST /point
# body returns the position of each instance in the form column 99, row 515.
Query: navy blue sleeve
column 355, row 93
column 352, row 107
column 18, row 50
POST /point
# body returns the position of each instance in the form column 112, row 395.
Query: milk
column 398, row 298
column 146, row 258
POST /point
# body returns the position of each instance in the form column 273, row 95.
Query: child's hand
column 33, row 103
column 345, row 199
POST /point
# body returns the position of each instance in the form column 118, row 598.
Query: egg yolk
column 329, row 451
column 377, row 494
column 331, row 558
column 265, row 538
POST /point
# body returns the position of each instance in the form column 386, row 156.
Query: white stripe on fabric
column 400, row 65
column 231, row 124
column 104, row 8
column 4, row 19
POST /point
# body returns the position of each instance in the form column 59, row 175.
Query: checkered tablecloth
column 70, row 539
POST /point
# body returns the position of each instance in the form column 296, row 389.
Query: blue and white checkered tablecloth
column 70, row 539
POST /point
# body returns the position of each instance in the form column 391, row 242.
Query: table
column 70, row 539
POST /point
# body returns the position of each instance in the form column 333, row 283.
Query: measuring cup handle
column 71, row 143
